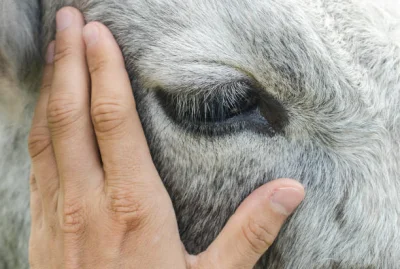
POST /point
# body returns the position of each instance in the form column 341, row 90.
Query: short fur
column 331, row 65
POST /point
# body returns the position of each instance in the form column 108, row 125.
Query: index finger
column 123, row 146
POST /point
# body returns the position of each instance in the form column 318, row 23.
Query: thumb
column 253, row 228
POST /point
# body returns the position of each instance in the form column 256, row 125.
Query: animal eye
column 215, row 108
column 222, row 110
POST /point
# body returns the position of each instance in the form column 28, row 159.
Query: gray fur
column 333, row 65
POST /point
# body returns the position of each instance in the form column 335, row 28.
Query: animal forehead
column 209, row 28
column 208, row 41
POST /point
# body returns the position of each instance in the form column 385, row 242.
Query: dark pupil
column 216, row 107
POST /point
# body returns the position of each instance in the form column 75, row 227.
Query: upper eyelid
column 236, row 87
column 218, row 105
column 264, row 113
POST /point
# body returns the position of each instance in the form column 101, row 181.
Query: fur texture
column 325, row 76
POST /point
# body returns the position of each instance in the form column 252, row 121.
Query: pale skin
column 97, row 200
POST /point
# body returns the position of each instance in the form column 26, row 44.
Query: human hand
column 97, row 200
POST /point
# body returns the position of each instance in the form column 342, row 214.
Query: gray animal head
column 234, row 93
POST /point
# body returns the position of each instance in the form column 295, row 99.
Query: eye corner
column 274, row 112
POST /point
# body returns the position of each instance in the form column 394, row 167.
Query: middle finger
column 68, row 109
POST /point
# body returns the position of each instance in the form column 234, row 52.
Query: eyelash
column 213, row 109
column 224, row 111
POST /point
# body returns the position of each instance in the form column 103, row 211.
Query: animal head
column 234, row 93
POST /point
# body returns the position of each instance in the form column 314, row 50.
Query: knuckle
column 108, row 116
column 62, row 112
column 98, row 66
column 63, row 53
column 127, row 209
column 73, row 219
column 45, row 87
column 38, row 141
column 258, row 236
column 33, row 183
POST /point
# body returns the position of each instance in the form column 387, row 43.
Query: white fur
column 332, row 64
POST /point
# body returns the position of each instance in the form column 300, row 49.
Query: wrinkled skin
column 233, row 94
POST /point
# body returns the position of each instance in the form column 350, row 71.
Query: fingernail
column 50, row 53
column 64, row 19
column 90, row 34
column 286, row 200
